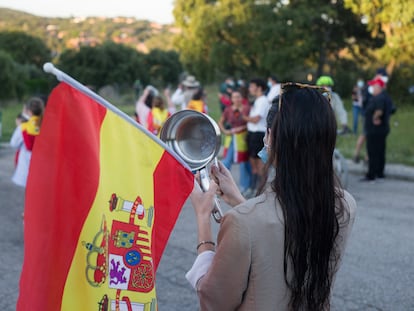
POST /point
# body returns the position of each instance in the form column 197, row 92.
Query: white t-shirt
column 273, row 92
column 260, row 108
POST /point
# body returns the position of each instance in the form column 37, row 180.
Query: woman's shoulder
column 259, row 207
column 349, row 201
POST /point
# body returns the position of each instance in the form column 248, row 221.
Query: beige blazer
column 247, row 270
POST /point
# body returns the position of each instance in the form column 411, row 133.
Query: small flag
column 102, row 198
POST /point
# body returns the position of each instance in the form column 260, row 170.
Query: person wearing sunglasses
column 280, row 250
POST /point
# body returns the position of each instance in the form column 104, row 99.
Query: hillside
column 70, row 33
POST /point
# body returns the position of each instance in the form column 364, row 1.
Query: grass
column 9, row 113
column 400, row 142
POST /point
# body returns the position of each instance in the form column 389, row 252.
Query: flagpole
column 63, row 77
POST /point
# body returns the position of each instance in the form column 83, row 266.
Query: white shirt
column 273, row 92
column 178, row 98
column 260, row 108
column 200, row 267
column 23, row 160
column 142, row 110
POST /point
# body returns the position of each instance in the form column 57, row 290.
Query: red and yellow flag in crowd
column 102, row 198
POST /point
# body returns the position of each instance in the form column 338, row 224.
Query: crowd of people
column 244, row 106
column 290, row 219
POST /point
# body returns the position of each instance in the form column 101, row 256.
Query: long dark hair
column 303, row 139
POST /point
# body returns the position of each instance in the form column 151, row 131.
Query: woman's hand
column 203, row 202
column 228, row 189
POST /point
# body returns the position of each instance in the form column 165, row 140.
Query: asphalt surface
column 377, row 272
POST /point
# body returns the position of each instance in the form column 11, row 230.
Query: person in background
column 226, row 88
column 282, row 249
column 377, row 127
column 157, row 116
column 137, row 87
column 177, row 98
column 357, row 100
column 143, row 105
column 336, row 102
column 380, row 74
column 197, row 102
column 274, row 88
column 234, row 128
column 244, row 91
column 256, row 127
column 191, row 86
column 24, row 137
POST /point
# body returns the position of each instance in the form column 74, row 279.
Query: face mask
column 269, row 85
column 371, row 89
column 360, row 83
column 263, row 154
column 384, row 79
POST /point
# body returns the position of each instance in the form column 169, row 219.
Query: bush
column 400, row 82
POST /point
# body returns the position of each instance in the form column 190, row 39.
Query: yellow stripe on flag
column 99, row 273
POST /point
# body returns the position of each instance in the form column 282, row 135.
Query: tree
column 263, row 36
column 392, row 19
column 12, row 77
column 105, row 64
column 24, row 49
column 163, row 67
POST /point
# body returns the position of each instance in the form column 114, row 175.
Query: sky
column 154, row 10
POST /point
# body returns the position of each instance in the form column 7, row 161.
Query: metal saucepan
column 196, row 138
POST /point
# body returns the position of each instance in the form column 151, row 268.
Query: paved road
column 377, row 272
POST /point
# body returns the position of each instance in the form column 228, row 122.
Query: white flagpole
column 61, row 76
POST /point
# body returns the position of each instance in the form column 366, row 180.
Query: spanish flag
column 103, row 195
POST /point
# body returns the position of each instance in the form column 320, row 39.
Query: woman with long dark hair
column 281, row 249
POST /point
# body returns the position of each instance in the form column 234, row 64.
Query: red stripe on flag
column 173, row 183
column 66, row 150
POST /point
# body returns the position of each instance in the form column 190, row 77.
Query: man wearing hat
column 377, row 116
column 191, row 86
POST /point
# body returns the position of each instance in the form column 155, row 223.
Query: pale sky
column 154, row 10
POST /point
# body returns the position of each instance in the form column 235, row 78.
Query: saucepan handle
column 205, row 185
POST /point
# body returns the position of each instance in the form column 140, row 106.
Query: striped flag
column 102, row 198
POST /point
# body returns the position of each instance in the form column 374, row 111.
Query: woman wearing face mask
column 281, row 249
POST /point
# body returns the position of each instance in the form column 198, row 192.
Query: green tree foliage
column 112, row 63
column 262, row 36
column 8, row 75
column 12, row 77
column 25, row 49
column 163, row 67
column 392, row 19
column 105, row 64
